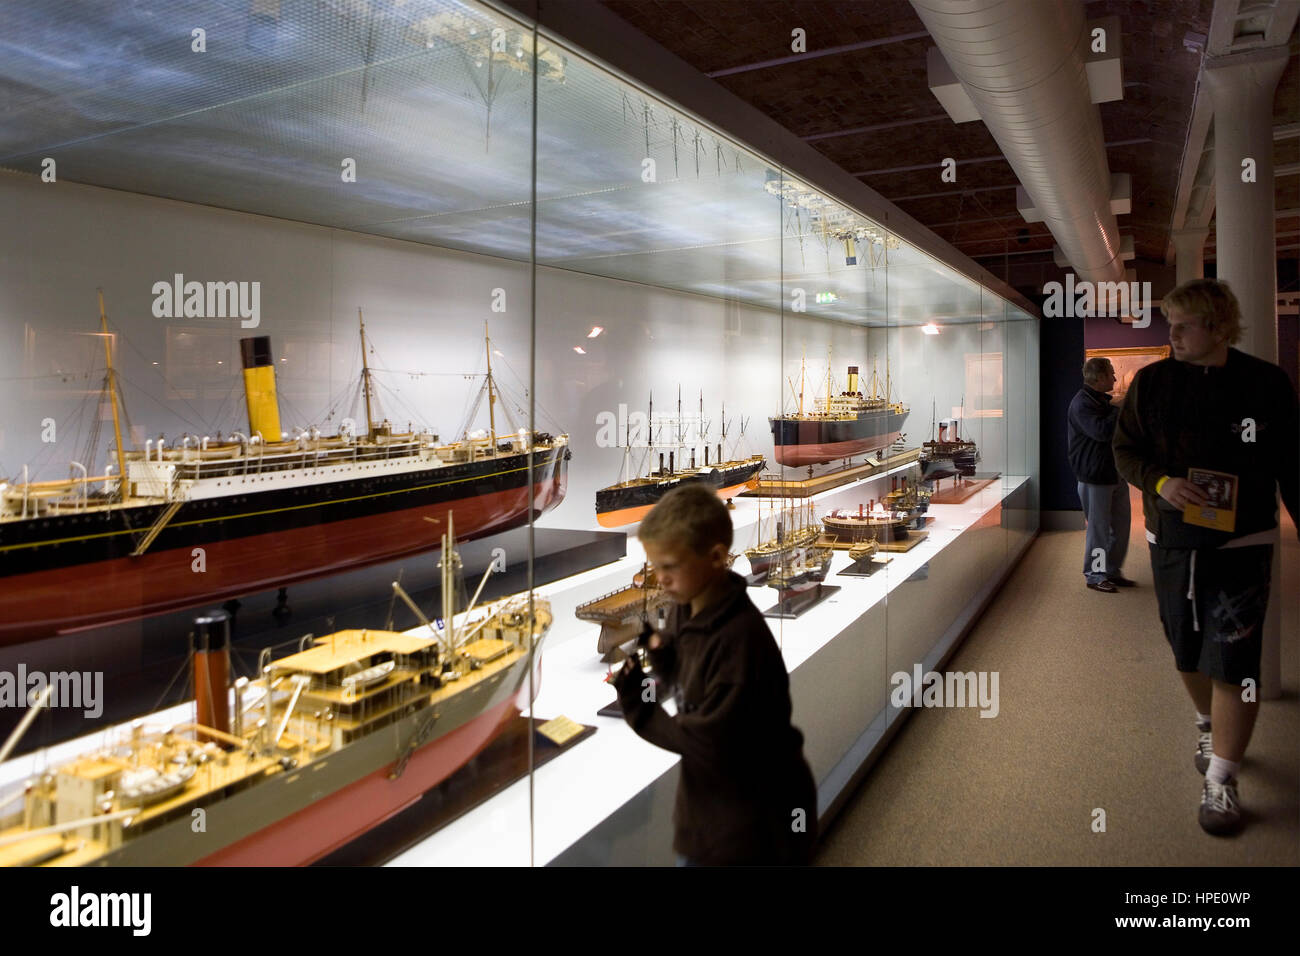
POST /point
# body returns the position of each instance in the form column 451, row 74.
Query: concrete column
column 1189, row 254
column 1241, row 88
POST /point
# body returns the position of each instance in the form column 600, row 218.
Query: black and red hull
column 69, row 572
column 810, row 441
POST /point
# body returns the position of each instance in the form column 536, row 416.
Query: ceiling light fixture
column 930, row 328
column 595, row 331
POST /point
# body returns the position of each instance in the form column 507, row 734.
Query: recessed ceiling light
column 930, row 328
column 580, row 350
column 595, row 331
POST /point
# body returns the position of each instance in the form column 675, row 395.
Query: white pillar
column 1241, row 89
column 1189, row 254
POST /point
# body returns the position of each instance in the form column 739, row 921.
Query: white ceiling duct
column 1023, row 64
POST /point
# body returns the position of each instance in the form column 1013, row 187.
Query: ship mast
column 828, row 378
column 803, row 362
column 449, row 585
column 492, row 398
column 122, row 485
column 365, row 378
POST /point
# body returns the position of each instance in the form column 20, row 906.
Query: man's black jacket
column 1240, row 418
column 1090, row 426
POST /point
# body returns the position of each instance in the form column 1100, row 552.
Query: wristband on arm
column 1161, row 483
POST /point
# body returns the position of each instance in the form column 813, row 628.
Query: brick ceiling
column 871, row 110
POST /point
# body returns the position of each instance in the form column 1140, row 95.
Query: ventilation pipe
column 1023, row 64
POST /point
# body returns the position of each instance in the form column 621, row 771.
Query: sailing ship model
column 838, row 426
column 794, row 528
column 949, row 455
column 265, row 511
column 325, row 744
column 631, row 499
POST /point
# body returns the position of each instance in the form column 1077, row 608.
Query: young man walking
column 1212, row 408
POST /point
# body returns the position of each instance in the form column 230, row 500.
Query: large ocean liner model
column 632, row 498
column 325, row 744
column 839, row 426
column 265, row 511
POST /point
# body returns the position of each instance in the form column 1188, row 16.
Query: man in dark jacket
column 1212, row 408
column 1091, row 425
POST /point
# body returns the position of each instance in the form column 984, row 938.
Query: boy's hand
column 1180, row 492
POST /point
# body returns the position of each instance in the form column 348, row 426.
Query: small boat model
column 325, row 744
column 862, row 550
column 631, row 499
column 838, row 426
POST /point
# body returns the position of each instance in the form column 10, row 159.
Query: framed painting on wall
column 1126, row 363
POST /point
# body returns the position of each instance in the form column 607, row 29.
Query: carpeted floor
column 1093, row 718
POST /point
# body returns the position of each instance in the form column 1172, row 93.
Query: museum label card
column 560, row 730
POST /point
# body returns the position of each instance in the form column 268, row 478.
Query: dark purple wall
column 1110, row 334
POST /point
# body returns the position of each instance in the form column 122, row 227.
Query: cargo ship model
column 327, row 743
column 630, row 500
column 909, row 498
column 838, row 426
column 260, row 512
column 870, row 522
column 949, row 455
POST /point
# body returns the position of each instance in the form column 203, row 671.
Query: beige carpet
column 1093, row 717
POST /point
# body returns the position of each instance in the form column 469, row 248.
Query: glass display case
column 390, row 312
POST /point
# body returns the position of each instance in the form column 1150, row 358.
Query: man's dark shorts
column 1230, row 597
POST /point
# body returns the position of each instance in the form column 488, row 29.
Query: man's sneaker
column 1220, row 813
column 1204, row 750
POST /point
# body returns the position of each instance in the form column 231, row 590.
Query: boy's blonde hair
column 1211, row 301
column 691, row 515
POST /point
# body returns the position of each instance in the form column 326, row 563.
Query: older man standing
column 1104, row 495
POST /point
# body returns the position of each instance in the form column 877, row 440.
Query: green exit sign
column 826, row 298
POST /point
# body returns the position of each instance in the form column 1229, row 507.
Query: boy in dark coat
column 746, row 794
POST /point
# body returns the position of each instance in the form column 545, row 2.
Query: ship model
column 623, row 613
column 794, row 527
column 838, row 426
column 325, row 744
column 949, row 455
column 909, row 498
column 870, row 522
column 265, row 512
column 631, row 499
column 800, row 569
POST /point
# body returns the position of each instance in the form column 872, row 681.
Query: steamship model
column 200, row 521
column 949, row 456
column 630, row 500
column 799, row 569
column 870, row 522
column 839, row 426
column 325, row 744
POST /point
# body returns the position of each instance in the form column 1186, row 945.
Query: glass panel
column 244, row 200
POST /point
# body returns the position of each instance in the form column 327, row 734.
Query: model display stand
column 866, row 567
column 771, row 486
column 906, row 544
column 794, row 603
column 960, row 490
column 503, row 763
